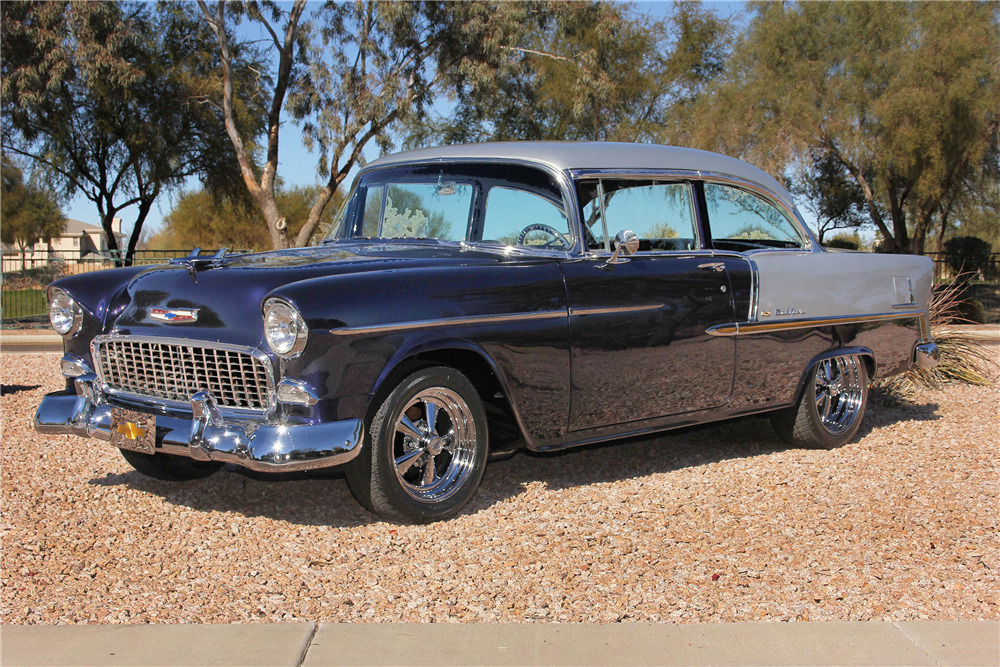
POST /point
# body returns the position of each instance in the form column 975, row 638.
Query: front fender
column 363, row 326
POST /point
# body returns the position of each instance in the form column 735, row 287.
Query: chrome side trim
column 749, row 328
column 925, row 327
column 447, row 322
column 614, row 309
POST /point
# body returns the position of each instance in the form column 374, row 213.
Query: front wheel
column 831, row 408
column 429, row 445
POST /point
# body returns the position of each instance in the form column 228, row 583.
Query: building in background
column 80, row 241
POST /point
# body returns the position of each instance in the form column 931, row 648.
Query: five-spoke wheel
column 428, row 448
column 832, row 405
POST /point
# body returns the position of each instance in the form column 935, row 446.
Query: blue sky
column 296, row 165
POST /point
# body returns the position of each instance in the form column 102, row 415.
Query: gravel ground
column 715, row 524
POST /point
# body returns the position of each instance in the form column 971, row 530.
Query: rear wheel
column 831, row 408
column 428, row 450
column 169, row 467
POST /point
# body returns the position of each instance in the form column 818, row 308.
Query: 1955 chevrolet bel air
column 473, row 300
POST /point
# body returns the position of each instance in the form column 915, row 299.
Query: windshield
column 502, row 204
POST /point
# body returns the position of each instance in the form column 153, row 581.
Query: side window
column 741, row 220
column 509, row 212
column 661, row 214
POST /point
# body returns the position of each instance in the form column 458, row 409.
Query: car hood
column 221, row 300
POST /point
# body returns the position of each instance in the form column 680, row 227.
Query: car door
column 638, row 329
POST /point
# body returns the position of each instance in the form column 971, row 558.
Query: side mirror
column 626, row 243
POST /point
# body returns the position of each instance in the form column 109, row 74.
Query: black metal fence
column 26, row 274
column 984, row 269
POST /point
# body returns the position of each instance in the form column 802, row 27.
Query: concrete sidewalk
column 306, row 644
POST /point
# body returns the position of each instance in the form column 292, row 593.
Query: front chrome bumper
column 207, row 436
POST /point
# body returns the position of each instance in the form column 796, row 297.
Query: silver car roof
column 570, row 155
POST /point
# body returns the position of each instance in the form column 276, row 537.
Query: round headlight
column 65, row 313
column 284, row 328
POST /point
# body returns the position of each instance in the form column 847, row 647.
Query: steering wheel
column 540, row 227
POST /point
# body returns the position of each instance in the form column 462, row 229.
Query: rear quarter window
column 742, row 220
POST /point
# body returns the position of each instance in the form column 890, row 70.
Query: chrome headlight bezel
column 65, row 314
column 285, row 331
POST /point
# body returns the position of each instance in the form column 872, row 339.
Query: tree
column 831, row 195
column 901, row 95
column 199, row 220
column 29, row 214
column 589, row 71
column 107, row 98
column 357, row 71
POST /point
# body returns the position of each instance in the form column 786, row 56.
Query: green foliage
column 832, row 196
column 585, row 71
column 21, row 303
column 660, row 230
column 108, row 100
column 967, row 254
column 199, row 220
column 844, row 241
column 901, row 95
column 29, row 214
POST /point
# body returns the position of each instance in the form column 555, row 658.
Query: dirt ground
column 720, row 523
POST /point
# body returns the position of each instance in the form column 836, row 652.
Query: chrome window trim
column 561, row 178
column 787, row 207
column 652, row 175
column 183, row 406
column 749, row 328
column 754, row 289
column 395, row 327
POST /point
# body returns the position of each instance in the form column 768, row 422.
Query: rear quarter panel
column 828, row 284
column 772, row 365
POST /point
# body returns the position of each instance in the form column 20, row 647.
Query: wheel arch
column 866, row 355
column 481, row 370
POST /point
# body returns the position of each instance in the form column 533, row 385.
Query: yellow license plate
column 133, row 430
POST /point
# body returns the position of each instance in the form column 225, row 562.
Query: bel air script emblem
column 174, row 315
column 784, row 312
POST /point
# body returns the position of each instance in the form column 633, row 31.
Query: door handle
column 713, row 266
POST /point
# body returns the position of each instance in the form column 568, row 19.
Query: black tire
column 831, row 408
column 169, row 467
column 419, row 472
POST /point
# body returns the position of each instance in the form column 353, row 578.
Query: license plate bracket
column 135, row 431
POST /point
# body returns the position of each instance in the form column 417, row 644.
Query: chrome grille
column 174, row 371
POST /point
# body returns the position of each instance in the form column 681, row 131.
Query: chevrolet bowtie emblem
column 172, row 315
column 131, row 430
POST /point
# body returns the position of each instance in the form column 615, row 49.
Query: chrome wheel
column 429, row 443
column 434, row 445
column 831, row 407
column 839, row 393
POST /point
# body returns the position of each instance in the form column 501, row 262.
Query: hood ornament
column 196, row 260
column 174, row 315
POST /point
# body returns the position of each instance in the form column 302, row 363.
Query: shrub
column 843, row 241
column 967, row 255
